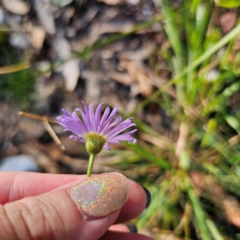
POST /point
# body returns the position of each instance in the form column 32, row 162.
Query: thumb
column 84, row 211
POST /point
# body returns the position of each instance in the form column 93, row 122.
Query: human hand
column 45, row 206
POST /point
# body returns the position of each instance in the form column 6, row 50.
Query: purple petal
column 120, row 127
column 59, row 118
column 84, row 117
column 97, row 116
column 87, row 116
column 73, row 127
column 88, row 120
column 114, row 123
column 124, row 137
column 124, row 134
column 65, row 112
column 113, row 141
column 111, row 116
column 105, row 115
column 79, row 122
column 62, row 124
column 79, row 139
column 92, row 117
column 119, row 130
column 107, row 147
column 127, row 138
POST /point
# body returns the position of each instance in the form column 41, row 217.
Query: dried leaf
column 14, row 68
column 139, row 76
column 228, row 21
column 100, row 28
column 232, row 210
column 182, row 138
column 229, row 205
column 167, row 236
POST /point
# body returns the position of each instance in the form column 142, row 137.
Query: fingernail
column 100, row 195
column 132, row 228
column 148, row 196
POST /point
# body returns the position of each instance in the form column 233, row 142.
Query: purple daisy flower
column 96, row 131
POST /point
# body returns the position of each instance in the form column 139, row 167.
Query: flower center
column 94, row 142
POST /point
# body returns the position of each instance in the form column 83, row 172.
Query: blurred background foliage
column 172, row 65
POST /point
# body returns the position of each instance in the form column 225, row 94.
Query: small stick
column 53, row 134
column 46, row 121
column 37, row 117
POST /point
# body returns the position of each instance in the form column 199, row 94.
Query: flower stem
column 90, row 164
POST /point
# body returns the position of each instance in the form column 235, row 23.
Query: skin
column 38, row 206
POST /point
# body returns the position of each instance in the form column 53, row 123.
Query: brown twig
column 47, row 126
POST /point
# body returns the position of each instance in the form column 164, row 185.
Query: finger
column 119, row 228
column 136, row 203
column 124, row 228
column 86, row 212
column 15, row 186
column 123, row 235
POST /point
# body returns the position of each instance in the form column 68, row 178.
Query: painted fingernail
column 132, row 228
column 102, row 194
column 148, row 196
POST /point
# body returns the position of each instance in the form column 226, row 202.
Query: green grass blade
column 175, row 40
column 149, row 156
column 214, row 231
column 196, row 63
column 171, row 30
column 199, row 214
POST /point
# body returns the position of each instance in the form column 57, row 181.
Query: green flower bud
column 94, row 142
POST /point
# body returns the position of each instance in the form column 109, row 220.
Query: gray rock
column 21, row 162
